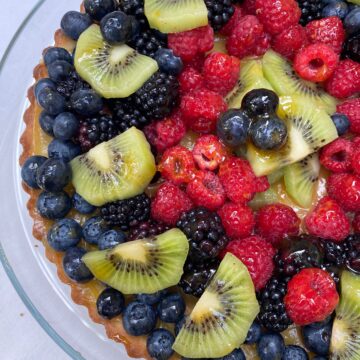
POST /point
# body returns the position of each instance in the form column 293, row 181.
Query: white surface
column 21, row 337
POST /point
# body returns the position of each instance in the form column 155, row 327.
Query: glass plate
column 32, row 275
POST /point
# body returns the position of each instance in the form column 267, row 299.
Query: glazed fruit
column 65, row 150
column 93, row 228
column 317, row 337
column 110, row 303
column 65, row 126
column 74, row 23
column 259, row 102
column 29, row 170
column 171, row 308
column 111, row 238
column 271, row 346
column 53, row 205
column 97, row 9
column 139, row 318
column 74, row 267
column 219, row 13
column 52, row 54
column 148, row 42
column 64, row 234
column 86, row 102
column 159, row 344
column 81, row 205
column 116, row 27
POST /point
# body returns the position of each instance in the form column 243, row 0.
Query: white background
column 21, row 337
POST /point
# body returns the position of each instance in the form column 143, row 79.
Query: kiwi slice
column 301, row 179
column 345, row 338
column 281, row 75
column 169, row 16
column 114, row 170
column 223, row 315
column 114, row 71
column 309, row 129
column 267, row 197
column 141, row 266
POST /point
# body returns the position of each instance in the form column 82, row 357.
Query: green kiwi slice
column 309, row 129
column 114, row 170
column 267, row 197
column 301, row 179
column 114, row 71
column 281, row 75
column 223, row 315
column 169, row 16
column 345, row 338
column 141, row 266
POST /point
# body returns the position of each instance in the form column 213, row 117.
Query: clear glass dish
column 32, row 275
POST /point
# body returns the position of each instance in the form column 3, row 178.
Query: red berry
column 188, row 44
column 345, row 189
column 206, row 190
column 355, row 161
column 337, row 155
column 235, row 18
column 209, row 152
column 257, row 255
column 277, row 15
column 263, row 44
column 311, row 296
column 328, row 221
column 238, row 220
column 177, row 165
column 316, row 62
column 356, row 141
column 262, row 184
column 169, row 203
column 351, row 108
column 190, row 79
column 197, row 62
column 276, row 221
column 356, row 223
column 329, row 31
column 201, row 109
column 289, row 41
column 249, row 7
column 221, row 72
column 345, row 81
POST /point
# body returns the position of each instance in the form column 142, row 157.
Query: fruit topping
column 86, row 102
column 116, row 27
column 351, row 109
column 110, row 303
column 341, row 122
column 29, row 170
column 159, row 344
column 219, row 12
column 317, row 337
column 310, row 10
column 111, row 238
column 168, row 62
column 146, row 229
column 139, row 318
column 74, row 267
column 53, row 205
column 171, row 308
column 74, row 23
column 64, row 234
column 148, row 42
column 97, row 9
column 271, row 346
column 190, row 79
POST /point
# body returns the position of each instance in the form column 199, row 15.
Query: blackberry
column 219, row 12
column 352, row 48
column 310, row 10
column 135, row 8
column 147, row 229
column 158, row 96
column 72, row 83
column 272, row 308
column 127, row 213
column 148, row 42
column 205, row 233
column 95, row 130
column 333, row 270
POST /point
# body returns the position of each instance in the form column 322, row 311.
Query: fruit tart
column 194, row 174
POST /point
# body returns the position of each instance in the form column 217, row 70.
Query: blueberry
column 236, row 354
column 86, row 102
column 81, row 205
column 317, row 337
column 352, row 21
column 53, row 205
column 43, row 84
column 268, row 133
column 159, row 344
column 139, row 318
column 171, row 308
column 56, row 53
column 294, row 352
column 66, row 126
column 259, row 102
column 53, row 175
column 65, row 150
column 74, row 267
column 254, row 333
column 233, row 127
column 151, row 299
column 116, row 27
column 93, row 228
column 168, row 62
column 135, row 27
column 341, row 122
column 29, row 170
column 51, row 101
column 111, row 238
column 46, row 122
column 339, row 9
column 74, row 23
column 97, row 9
column 271, row 346
column 59, row 70
column 110, row 303
column 179, row 325
column 64, row 234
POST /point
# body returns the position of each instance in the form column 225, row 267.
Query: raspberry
column 345, row 81
column 316, row 62
column 311, row 296
column 221, row 72
column 188, row 44
column 329, row 31
column 209, row 152
column 206, row 190
column 262, row 184
column 201, row 109
column 177, row 165
column 169, row 203
column 197, row 62
column 190, row 79
column 275, row 221
column 337, row 155
column 355, row 161
column 235, row 18
column 249, row 7
column 257, row 255
column 345, row 189
column 165, row 133
column 263, row 44
column 238, row 220
column 356, row 141
column 328, row 221
column 351, row 108
column 356, row 223
column 277, row 15
column 289, row 41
